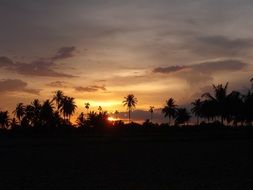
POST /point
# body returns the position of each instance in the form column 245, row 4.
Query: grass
column 177, row 160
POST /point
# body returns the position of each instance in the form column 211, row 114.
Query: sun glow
column 112, row 119
column 109, row 105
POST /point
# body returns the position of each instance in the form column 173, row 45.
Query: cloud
column 58, row 84
column 92, row 88
column 64, row 53
column 207, row 67
column 41, row 67
column 202, row 72
column 5, row 62
column 220, row 46
column 11, row 85
column 170, row 69
column 220, row 65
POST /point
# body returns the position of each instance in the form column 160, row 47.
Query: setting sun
column 112, row 119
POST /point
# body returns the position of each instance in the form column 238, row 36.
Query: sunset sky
column 99, row 51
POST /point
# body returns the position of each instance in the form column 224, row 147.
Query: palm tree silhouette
column 130, row 101
column 234, row 107
column 36, row 112
column 87, row 106
column 151, row 110
column 219, row 99
column 58, row 98
column 182, row 116
column 116, row 113
column 19, row 112
column 248, row 107
column 81, row 120
column 47, row 112
column 68, row 107
column 170, row 109
column 196, row 109
column 13, row 123
column 100, row 109
column 4, row 119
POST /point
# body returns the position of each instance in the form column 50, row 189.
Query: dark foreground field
column 76, row 163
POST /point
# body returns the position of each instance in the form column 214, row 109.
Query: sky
column 99, row 51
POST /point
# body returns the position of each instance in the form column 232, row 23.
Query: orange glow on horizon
column 112, row 119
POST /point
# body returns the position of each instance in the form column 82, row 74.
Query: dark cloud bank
column 205, row 67
column 41, row 67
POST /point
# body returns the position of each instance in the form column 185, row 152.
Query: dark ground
column 36, row 163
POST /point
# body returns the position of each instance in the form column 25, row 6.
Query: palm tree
column 219, row 99
column 196, row 109
column 182, row 116
column 47, row 112
column 130, row 101
column 58, row 98
column 235, row 107
column 19, row 111
column 100, row 109
column 116, row 113
column 87, row 106
column 13, row 123
column 4, row 119
column 248, row 107
column 81, row 120
column 170, row 109
column 151, row 110
column 68, row 107
column 36, row 112
column 29, row 116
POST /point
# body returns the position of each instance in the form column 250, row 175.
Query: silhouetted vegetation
column 217, row 109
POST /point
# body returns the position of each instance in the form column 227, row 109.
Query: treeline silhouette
column 219, row 108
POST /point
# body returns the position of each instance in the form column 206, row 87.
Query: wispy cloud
column 64, row 53
column 92, row 88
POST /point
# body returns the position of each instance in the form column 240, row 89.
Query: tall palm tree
column 4, row 119
column 182, row 116
column 130, row 101
column 151, row 110
column 234, row 107
column 58, row 98
column 219, row 99
column 47, row 112
column 29, row 116
column 196, row 109
column 248, row 107
column 68, row 107
column 36, row 112
column 87, row 106
column 19, row 111
column 170, row 109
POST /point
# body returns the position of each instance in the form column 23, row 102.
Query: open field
column 34, row 163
